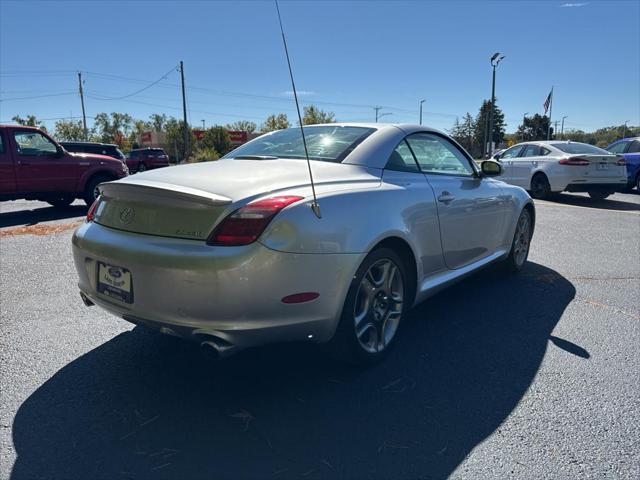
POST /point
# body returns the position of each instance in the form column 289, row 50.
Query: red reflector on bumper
column 300, row 297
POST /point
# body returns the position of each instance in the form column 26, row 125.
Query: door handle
column 445, row 197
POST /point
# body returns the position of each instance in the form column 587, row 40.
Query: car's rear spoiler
column 125, row 188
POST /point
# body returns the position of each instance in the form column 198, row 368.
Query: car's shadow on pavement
column 41, row 214
column 144, row 405
column 582, row 201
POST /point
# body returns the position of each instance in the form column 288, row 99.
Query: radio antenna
column 314, row 206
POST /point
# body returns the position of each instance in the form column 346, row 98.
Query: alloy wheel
column 378, row 306
column 522, row 238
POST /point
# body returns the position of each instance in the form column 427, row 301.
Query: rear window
column 328, row 143
column 580, row 148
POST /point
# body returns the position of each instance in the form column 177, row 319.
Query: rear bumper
column 195, row 291
column 600, row 186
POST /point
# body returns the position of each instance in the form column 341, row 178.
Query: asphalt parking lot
column 527, row 376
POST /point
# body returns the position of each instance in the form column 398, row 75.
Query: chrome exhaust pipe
column 210, row 350
column 85, row 300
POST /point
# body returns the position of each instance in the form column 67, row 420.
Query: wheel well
column 107, row 176
column 532, row 212
column 402, row 248
column 537, row 174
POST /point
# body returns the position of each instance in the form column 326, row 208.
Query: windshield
column 329, row 143
column 580, row 148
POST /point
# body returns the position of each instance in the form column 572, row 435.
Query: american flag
column 547, row 102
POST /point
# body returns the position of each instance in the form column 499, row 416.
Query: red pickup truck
column 33, row 166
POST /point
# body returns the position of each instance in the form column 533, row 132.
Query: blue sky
column 347, row 57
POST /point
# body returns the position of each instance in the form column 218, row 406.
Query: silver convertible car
column 230, row 253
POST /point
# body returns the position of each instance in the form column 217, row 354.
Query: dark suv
column 143, row 159
column 108, row 149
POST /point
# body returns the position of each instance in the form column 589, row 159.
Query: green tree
column 464, row 132
column 115, row 128
column 30, row 121
column 482, row 125
column 68, row 130
column 313, row 115
column 174, row 138
column 534, row 128
column 243, row 126
column 157, row 121
column 216, row 138
column 275, row 122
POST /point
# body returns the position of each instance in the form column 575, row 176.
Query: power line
column 37, row 96
column 144, row 88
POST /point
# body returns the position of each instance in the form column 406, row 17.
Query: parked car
column 230, row 254
column 33, row 166
column 547, row 167
column 629, row 148
column 108, row 149
column 143, row 159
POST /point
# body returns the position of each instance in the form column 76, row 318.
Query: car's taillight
column 574, row 161
column 92, row 210
column 245, row 225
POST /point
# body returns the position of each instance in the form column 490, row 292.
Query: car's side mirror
column 491, row 168
column 59, row 152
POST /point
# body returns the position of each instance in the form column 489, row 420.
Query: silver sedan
column 230, row 253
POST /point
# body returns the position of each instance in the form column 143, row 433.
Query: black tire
column 517, row 258
column 346, row 345
column 598, row 195
column 141, row 168
column 91, row 188
column 60, row 202
column 540, row 187
column 638, row 183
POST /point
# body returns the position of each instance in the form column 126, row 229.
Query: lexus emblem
column 127, row 215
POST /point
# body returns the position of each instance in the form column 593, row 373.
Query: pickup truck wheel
column 91, row 190
column 141, row 167
column 60, row 202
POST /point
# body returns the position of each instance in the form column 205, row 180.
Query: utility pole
column 421, row 102
column 624, row 129
column 202, row 123
column 562, row 128
column 84, row 117
column 377, row 109
column 555, row 128
column 524, row 120
column 184, row 114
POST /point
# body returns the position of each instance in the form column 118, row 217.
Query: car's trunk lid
column 601, row 166
column 188, row 201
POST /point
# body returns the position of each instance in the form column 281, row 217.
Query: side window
column 33, row 143
column 1, row 144
column 402, row 160
column 619, row 147
column 512, row 152
column 544, row 151
column 531, row 151
column 436, row 155
column 635, row 147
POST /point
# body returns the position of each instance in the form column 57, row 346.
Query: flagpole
column 550, row 109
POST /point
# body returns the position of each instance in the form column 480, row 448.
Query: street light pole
column 624, row 130
column 495, row 60
column 524, row 119
column 421, row 102
column 202, row 123
column 562, row 128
